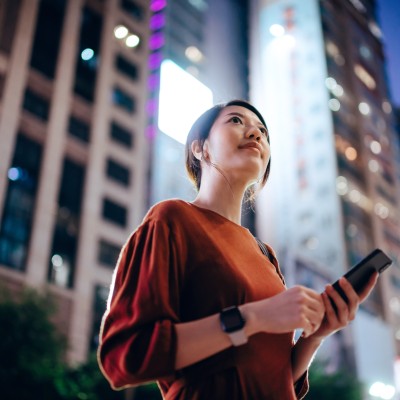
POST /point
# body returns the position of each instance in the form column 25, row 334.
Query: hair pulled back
column 200, row 131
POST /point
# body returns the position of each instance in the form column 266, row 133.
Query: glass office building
column 317, row 71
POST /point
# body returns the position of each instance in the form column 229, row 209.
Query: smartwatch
column 232, row 323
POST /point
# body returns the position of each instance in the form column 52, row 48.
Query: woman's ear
column 196, row 149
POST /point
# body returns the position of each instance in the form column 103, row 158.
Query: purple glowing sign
column 153, row 82
column 155, row 60
column 157, row 21
column 156, row 41
column 157, row 5
column 151, row 106
column 151, row 131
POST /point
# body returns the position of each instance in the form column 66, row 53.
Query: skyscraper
column 74, row 155
column 333, row 196
column 199, row 58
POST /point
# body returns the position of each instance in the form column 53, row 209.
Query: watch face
column 232, row 320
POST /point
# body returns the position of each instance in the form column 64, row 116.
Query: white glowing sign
column 183, row 98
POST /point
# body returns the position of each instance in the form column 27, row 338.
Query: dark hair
column 200, row 131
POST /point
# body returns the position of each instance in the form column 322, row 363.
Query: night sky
column 389, row 20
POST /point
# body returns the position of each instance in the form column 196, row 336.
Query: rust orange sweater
column 181, row 264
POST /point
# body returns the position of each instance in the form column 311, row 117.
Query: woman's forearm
column 197, row 340
column 302, row 355
column 295, row 308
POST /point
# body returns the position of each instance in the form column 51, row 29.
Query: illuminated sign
column 182, row 99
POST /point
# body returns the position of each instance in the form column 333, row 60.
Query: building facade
column 318, row 75
column 74, row 155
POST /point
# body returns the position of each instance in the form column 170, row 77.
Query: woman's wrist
column 315, row 341
column 249, row 312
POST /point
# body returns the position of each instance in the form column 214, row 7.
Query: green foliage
column 86, row 383
column 340, row 385
column 30, row 349
column 148, row 392
column 32, row 356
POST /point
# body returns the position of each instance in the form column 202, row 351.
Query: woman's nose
column 253, row 133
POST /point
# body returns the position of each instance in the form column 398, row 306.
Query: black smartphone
column 360, row 274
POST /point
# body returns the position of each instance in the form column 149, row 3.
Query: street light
column 381, row 391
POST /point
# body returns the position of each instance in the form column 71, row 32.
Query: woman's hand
column 346, row 312
column 295, row 308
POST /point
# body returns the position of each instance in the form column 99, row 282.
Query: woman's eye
column 236, row 120
column 264, row 132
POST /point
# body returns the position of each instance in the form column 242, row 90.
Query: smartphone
column 360, row 274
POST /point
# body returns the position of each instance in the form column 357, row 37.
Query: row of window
column 66, row 232
column 39, row 106
column 46, row 47
column 112, row 211
column 118, row 134
column 47, row 40
column 19, row 206
column 19, row 202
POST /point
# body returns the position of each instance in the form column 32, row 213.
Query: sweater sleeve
column 301, row 387
column 137, row 336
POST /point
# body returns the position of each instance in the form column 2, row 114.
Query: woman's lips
column 252, row 145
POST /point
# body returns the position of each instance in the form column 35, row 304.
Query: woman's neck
column 221, row 198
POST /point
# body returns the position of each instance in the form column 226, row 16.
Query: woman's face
column 238, row 144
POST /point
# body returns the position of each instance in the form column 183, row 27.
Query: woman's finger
column 368, row 288
column 352, row 297
column 315, row 303
column 329, row 310
column 342, row 307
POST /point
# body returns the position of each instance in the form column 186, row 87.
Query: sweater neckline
column 208, row 211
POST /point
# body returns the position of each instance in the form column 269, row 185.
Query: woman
column 195, row 304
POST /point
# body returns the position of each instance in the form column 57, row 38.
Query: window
column 66, row 230
column 1, row 86
column 8, row 22
column 121, row 135
column 386, row 195
column 108, row 253
column 123, row 100
column 19, row 203
column 114, row 212
column 352, row 170
column 364, row 76
column 126, row 67
column 88, row 54
column 36, row 105
column 79, row 129
column 46, row 43
column 118, row 172
column 133, row 9
column 99, row 307
column 395, row 281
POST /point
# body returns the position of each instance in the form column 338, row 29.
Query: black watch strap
column 232, row 323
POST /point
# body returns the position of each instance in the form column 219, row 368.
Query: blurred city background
column 96, row 99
